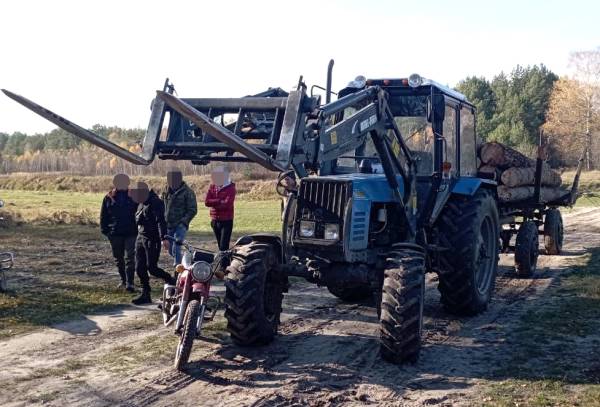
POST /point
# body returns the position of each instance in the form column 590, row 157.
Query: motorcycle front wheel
column 188, row 333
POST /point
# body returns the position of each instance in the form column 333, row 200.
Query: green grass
column 551, row 360
column 540, row 393
column 46, row 207
column 53, row 280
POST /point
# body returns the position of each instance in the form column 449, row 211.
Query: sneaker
column 130, row 288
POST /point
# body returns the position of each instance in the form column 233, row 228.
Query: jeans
column 174, row 249
column 147, row 253
column 123, row 250
column 222, row 229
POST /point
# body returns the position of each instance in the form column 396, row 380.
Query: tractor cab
column 433, row 121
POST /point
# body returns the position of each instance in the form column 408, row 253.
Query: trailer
column 529, row 219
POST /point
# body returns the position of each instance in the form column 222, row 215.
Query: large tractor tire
column 351, row 293
column 526, row 249
column 469, row 227
column 403, row 292
column 553, row 231
column 254, row 293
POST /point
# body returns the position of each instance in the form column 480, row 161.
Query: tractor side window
column 449, row 130
column 468, row 155
column 418, row 136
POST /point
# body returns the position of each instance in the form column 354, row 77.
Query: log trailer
column 388, row 190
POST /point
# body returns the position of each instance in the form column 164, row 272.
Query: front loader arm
column 85, row 134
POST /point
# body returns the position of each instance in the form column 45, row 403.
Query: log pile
column 515, row 174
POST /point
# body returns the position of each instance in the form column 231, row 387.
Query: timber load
column 515, row 174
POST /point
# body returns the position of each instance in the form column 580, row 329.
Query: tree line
column 513, row 108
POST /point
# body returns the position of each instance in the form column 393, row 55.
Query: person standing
column 117, row 223
column 152, row 229
column 220, row 198
column 180, row 209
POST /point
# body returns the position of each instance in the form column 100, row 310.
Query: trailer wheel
column 526, row 249
column 553, row 231
column 253, row 294
column 469, row 227
column 351, row 293
column 401, row 320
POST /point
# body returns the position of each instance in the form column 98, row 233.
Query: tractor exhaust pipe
column 329, row 79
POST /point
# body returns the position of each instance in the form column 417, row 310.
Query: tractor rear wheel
column 469, row 228
column 351, row 293
column 526, row 249
column 401, row 320
column 553, row 231
column 253, row 293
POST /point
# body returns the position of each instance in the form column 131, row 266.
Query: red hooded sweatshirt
column 220, row 201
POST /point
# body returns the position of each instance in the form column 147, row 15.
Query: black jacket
column 117, row 215
column 150, row 218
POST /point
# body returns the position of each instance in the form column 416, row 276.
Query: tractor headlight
column 415, row 80
column 332, row 231
column 201, row 271
column 307, row 228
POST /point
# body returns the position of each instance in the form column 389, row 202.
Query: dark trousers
column 123, row 250
column 222, row 229
column 147, row 252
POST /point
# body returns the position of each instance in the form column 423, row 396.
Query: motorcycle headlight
column 307, row 228
column 332, row 231
column 201, row 271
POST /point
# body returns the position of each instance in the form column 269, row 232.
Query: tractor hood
column 371, row 187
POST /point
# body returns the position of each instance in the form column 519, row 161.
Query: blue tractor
column 381, row 187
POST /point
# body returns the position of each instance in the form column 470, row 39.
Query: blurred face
column 121, row 182
column 174, row 179
column 140, row 192
column 219, row 176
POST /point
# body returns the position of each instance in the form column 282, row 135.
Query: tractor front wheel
column 401, row 320
column 254, row 293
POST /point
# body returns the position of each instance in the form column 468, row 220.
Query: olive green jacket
column 180, row 206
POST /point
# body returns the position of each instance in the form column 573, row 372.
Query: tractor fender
column 264, row 238
column 470, row 185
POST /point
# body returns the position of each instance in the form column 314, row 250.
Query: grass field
column 60, row 251
column 57, row 207
column 554, row 361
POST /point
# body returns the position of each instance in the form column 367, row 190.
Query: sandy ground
column 326, row 353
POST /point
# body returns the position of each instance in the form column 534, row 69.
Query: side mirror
column 436, row 109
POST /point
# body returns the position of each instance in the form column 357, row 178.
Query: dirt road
column 326, row 353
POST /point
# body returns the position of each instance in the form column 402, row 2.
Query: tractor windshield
column 410, row 113
column 418, row 136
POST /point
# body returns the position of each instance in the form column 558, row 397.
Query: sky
column 101, row 61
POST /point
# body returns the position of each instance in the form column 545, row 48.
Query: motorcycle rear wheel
column 188, row 333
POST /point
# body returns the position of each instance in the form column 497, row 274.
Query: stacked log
column 515, row 174
column 503, row 157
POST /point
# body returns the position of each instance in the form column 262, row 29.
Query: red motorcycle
column 189, row 304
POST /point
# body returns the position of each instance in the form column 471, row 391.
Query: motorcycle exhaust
column 170, row 321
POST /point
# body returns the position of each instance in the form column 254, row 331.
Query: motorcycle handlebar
column 180, row 242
